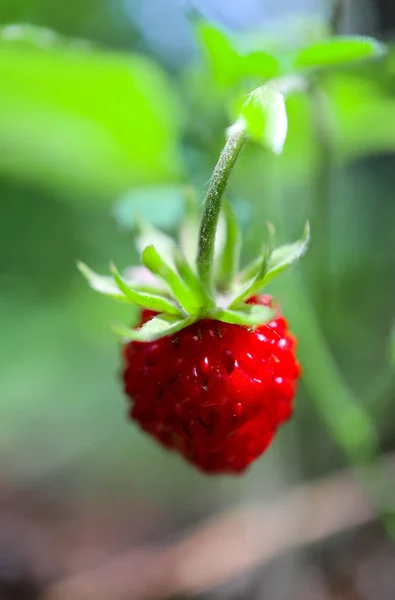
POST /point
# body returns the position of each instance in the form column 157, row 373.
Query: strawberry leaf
column 229, row 258
column 220, row 52
column 338, row 50
column 158, row 266
column 258, row 64
column 246, row 314
column 156, row 302
column 154, row 329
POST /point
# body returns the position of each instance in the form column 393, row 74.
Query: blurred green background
column 107, row 107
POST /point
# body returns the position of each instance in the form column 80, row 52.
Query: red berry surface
column 214, row 392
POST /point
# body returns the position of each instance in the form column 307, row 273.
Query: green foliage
column 90, row 121
column 77, row 120
column 338, row 50
column 228, row 64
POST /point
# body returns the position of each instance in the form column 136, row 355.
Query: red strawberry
column 207, row 374
column 215, row 392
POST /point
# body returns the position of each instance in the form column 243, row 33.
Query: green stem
column 213, row 202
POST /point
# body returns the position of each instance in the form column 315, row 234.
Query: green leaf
column 265, row 117
column 228, row 262
column 86, row 123
column 227, row 63
column 156, row 302
column 258, row 65
column 220, row 53
column 158, row 266
column 155, row 328
column 338, row 50
column 392, row 348
column 190, row 277
column 246, row 314
column 284, row 256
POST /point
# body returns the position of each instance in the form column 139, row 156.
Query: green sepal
column 251, row 269
column 338, row 50
column 392, row 348
column 284, row 256
column 263, row 266
column 105, row 284
column 151, row 236
column 156, row 302
column 191, row 278
column 247, row 314
column 155, row 328
column 159, row 267
column 228, row 262
column 271, row 264
column 190, row 225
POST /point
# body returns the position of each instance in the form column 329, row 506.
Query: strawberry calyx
column 198, row 277
column 169, row 284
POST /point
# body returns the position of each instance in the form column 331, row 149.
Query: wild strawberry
column 214, row 392
column 211, row 369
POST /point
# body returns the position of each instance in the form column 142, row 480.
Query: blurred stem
column 338, row 10
column 379, row 392
column 348, row 421
column 213, row 202
column 321, row 210
column 321, row 205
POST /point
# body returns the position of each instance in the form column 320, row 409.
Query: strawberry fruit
column 215, row 392
column 211, row 370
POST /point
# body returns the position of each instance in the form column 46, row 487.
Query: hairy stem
column 213, row 202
